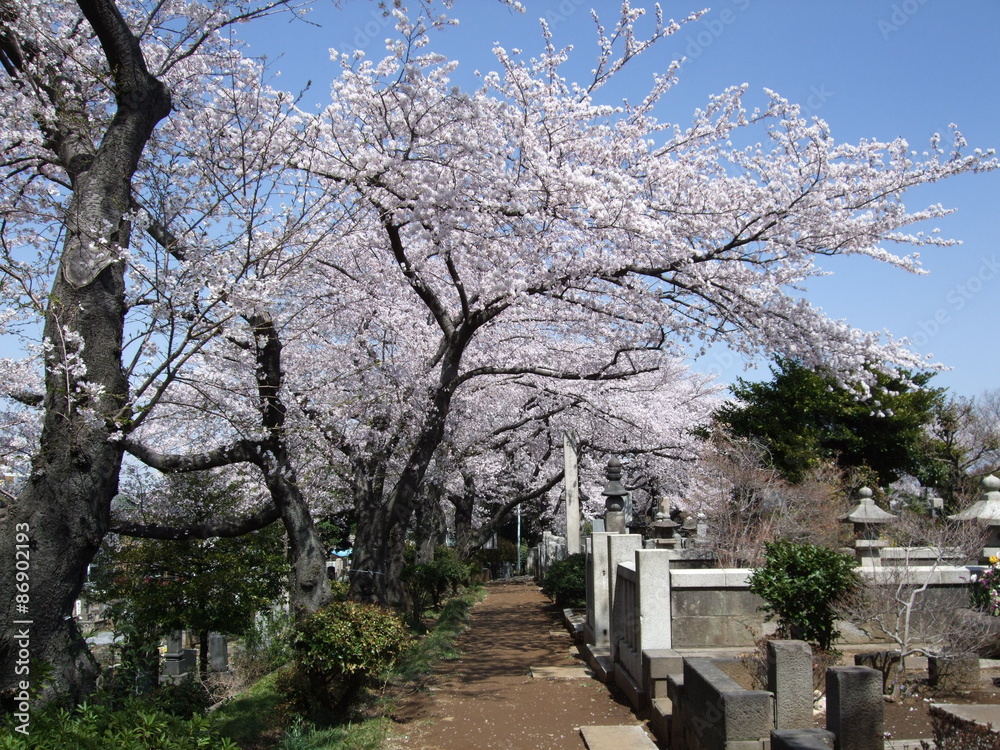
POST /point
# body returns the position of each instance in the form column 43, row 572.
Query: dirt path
column 488, row 699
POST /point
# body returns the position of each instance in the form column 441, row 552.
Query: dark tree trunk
column 203, row 655
column 429, row 526
column 64, row 508
column 379, row 556
column 464, row 508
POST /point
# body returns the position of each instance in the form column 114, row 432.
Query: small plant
column 566, row 581
column 136, row 726
column 338, row 652
column 984, row 589
column 801, row 583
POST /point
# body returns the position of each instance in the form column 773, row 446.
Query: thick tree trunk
column 310, row 586
column 464, row 507
column 63, row 512
column 429, row 526
column 57, row 524
column 379, row 556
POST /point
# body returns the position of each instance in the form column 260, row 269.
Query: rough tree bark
column 65, row 505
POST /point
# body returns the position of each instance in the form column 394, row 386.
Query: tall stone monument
column 571, row 464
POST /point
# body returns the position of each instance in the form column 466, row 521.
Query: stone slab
column 979, row 713
column 616, row 738
column 560, row 673
column 599, row 660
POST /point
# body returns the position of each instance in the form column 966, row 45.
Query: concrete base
column 575, row 621
column 559, row 673
column 660, row 715
column 657, row 665
column 599, row 660
column 616, row 738
column 635, row 694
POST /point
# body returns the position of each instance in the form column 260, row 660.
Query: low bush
column 566, row 581
column 339, row 650
column 801, row 584
column 427, row 583
column 951, row 733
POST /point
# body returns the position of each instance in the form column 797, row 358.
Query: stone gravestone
column 789, row 677
column 854, row 708
column 218, row 653
column 175, row 653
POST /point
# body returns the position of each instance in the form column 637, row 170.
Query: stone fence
column 639, row 608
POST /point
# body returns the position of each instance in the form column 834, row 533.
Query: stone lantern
column 614, row 492
column 986, row 511
column 867, row 518
column 663, row 527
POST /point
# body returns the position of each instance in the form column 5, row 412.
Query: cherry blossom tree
column 85, row 86
column 541, row 233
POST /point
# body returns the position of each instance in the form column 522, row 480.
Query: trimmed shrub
column 566, row 581
column 338, row 652
column 801, row 584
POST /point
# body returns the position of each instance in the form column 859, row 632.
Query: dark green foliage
column 801, row 584
column 566, row 581
column 187, row 698
column 805, row 418
column 427, row 583
column 338, row 651
column 136, row 726
column 219, row 585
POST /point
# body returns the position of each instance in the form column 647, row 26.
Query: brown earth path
column 487, row 698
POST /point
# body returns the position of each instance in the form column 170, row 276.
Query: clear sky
column 870, row 68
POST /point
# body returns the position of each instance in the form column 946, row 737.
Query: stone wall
column 714, row 608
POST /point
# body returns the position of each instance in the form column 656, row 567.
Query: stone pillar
column 572, row 479
column 652, row 567
column 598, row 605
column 854, row 710
column 789, row 677
column 174, row 654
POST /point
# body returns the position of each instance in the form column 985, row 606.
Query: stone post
column 572, row 479
column 598, row 606
column 854, row 709
column 652, row 567
column 789, row 677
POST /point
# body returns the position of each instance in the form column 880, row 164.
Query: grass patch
column 252, row 719
column 257, row 718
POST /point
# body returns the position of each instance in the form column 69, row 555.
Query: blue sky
column 871, row 69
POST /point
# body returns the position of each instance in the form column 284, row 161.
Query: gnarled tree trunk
column 64, row 509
